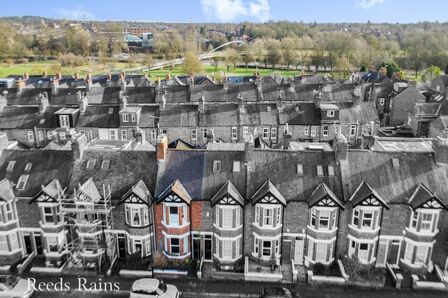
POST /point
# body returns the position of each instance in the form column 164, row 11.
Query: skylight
column 21, row 184
column 105, row 164
column 28, row 167
column 91, row 163
column 11, row 165
column 111, row 111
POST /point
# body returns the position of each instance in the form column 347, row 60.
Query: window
column 381, row 101
column 22, row 182
column 268, row 216
column 11, row 165
column 234, row 133
column 124, row 135
column 278, row 215
column 174, row 215
column 105, row 164
column 306, row 130
column 321, row 251
column 300, row 169
column 204, row 133
column 367, row 219
column 111, row 111
column 265, row 133
column 414, row 219
column 175, row 246
column 50, row 134
column 226, row 249
column 125, row 117
column 153, row 134
column 64, row 121
column 426, row 222
column 135, row 216
column 236, row 167
column 313, row 217
column 28, row 167
column 256, row 249
column 330, row 171
column 330, row 113
column 257, row 214
column 62, row 135
column 273, row 133
column 91, row 163
column 325, row 130
column 133, row 118
column 14, row 241
column 113, row 134
column 164, row 131
column 420, row 254
column 245, row 131
column 216, row 166
column 355, row 217
column 30, row 135
column 194, row 134
column 352, row 129
column 266, row 248
column 320, row 170
column 395, row 163
column 3, row 243
column 324, row 219
column 47, row 212
column 313, row 131
column 363, row 252
column 227, row 217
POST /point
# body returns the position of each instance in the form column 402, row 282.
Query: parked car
column 152, row 287
column 14, row 287
column 277, row 292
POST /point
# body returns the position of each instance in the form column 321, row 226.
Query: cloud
column 230, row 10
column 366, row 4
column 77, row 13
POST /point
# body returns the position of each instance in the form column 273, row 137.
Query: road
column 200, row 288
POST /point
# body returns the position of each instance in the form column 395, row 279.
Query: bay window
column 268, row 215
column 227, row 217
column 366, row 217
column 266, row 248
column 4, row 244
column 417, row 253
column 323, row 218
column 424, row 221
column 320, row 251
column 175, row 246
column 363, row 249
column 7, row 212
column 175, row 214
column 9, row 242
column 137, row 215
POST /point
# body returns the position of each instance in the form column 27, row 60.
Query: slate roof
column 140, row 95
column 323, row 191
column 339, row 93
column 24, row 97
column 100, row 116
column 217, row 93
column 106, row 95
column 141, row 191
column 393, row 184
column 421, row 195
column 301, row 114
column 57, row 165
column 65, row 97
column 149, row 116
column 362, row 113
column 427, row 109
column 290, row 184
column 225, row 114
column 410, row 93
column 268, row 188
column 19, row 117
column 125, row 169
column 259, row 114
column 49, row 119
column 177, row 188
column 52, row 189
column 363, row 191
column 228, row 189
column 301, row 92
column 174, row 94
column 198, row 80
column 179, row 116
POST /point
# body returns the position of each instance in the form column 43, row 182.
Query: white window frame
column 325, row 130
column 64, row 121
column 273, row 133
column 21, row 183
column 234, row 133
column 194, row 134
column 330, row 171
column 113, row 134
column 30, row 136
column 153, row 134
column 313, row 131
column 300, row 169
column 125, row 117
column 319, row 170
column 216, row 166
column 265, row 134
column 11, row 165
column 352, row 130
column 236, row 166
column 268, row 217
column 133, row 118
column 124, row 134
column 330, row 113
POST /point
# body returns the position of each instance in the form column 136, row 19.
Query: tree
column 288, row 51
column 391, row 68
column 247, row 55
column 273, row 53
column 148, row 61
column 231, row 57
column 431, row 73
column 192, row 65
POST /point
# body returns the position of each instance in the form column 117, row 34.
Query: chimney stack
column 340, row 149
column 3, row 99
column 123, row 100
column 20, row 84
column 287, row 137
column 79, row 143
column 43, row 102
column 163, row 102
column 82, row 101
column 26, row 76
column 123, row 81
column 162, row 147
column 89, row 81
column 280, row 101
column 240, row 101
column 76, row 76
column 45, row 74
column 55, row 85
column 412, row 84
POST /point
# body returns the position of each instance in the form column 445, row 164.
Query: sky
column 235, row 11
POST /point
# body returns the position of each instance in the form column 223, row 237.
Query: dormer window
column 91, row 163
column 366, row 218
column 395, row 163
column 22, row 182
column 320, row 170
column 111, row 111
column 300, row 169
column 323, row 218
column 125, row 117
column 28, row 167
column 105, row 164
column 133, row 118
column 11, row 165
column 424, row 221
column 330, row 113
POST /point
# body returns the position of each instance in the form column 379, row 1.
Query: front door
column 121, row 246
column 382, row 251
column 298, row 251
column 38, row 241
column 196, row 248
column 286, row 252
column 208, row 247
column 103, row 134
column 392, row 257
column 28, row 244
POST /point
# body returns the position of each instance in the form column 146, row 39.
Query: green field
column 52, row 67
